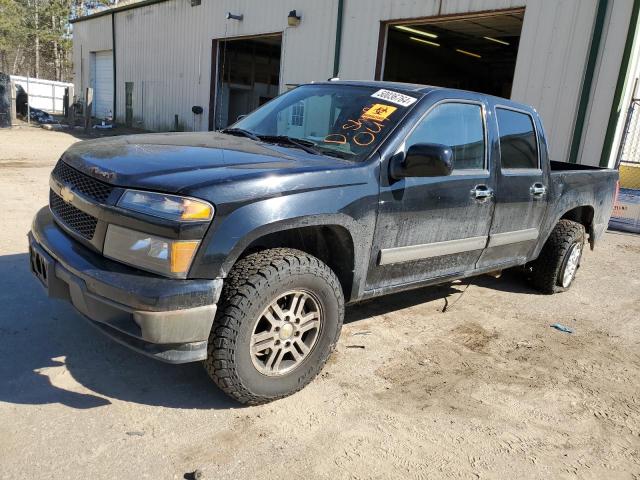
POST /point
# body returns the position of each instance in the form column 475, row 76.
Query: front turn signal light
column 195, row 210
column 182, row 253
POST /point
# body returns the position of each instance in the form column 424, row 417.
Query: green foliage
column 35, row 35
column 12, row 29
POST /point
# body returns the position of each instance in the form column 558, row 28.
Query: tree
column 35, row 35
column 13, row 34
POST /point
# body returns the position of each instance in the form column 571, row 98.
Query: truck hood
column 178, row 162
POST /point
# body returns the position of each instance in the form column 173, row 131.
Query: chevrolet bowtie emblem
column 66, row 194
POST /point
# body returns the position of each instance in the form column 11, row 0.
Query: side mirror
column 423, row 160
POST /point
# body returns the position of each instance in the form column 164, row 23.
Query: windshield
column 340, row 120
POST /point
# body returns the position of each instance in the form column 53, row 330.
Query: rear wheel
column 555, row 268
column 279, row 318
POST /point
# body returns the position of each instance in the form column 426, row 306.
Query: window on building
column 297, row 114
column 518, row 144
column 459, row 126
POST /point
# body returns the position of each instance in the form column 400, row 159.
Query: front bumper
column 164, row 318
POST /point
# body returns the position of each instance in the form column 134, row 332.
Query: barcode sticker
column 394, row 97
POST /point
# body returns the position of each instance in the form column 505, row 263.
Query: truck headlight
column 172, row 207
column 148, row 252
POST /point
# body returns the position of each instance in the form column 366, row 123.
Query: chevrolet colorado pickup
column 240, row 248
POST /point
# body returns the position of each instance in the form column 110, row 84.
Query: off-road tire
column 545, row 273
column 254, row 282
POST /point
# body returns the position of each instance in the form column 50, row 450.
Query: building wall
column 603, row 89
column 631, row 92
column 165, row 49
column 554, row 46
column 90, row 36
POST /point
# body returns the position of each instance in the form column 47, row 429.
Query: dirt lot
column 485, row 390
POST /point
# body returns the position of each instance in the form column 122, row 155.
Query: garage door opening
column 475, row 53
column 247, row 76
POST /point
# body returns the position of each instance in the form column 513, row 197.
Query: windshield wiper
column 336, row 153
column 305, row 145
column 240, row 132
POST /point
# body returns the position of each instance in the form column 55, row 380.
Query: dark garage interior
column 473, row 53
column 248, row 75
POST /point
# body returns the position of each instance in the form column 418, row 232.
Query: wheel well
column 330, row 243
column 583, row 215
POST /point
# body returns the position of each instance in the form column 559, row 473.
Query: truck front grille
column 74, row 219
column 79, row 182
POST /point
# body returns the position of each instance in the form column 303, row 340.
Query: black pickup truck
column 240, row 248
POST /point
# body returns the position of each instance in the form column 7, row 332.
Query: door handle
column 538, row 190
column 482, row 193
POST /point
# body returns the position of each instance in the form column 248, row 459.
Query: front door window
column 456, row 125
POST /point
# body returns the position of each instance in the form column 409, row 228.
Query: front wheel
column 555, row 268
column 279, row 318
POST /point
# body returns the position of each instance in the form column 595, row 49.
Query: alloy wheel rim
column 285, row 333
column 572, row 265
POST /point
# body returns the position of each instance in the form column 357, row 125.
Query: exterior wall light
column 293, row 18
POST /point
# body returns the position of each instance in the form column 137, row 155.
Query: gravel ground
column 485, row 390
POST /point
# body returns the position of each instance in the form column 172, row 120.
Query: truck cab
column 486, row 214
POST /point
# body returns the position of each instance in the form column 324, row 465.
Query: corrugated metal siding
column 165, row 77
column 606, row 76
column 551, row 61
column 553, row 49
column 362, row 26
column 630, row 94
column 165, row 50
column 90, row 36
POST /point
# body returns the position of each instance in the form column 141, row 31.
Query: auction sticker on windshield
column 394, row 97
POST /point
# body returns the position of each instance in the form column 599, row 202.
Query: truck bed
column 575, row 184
column 557, row 166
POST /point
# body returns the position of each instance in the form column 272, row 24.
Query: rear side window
column 457, row 125
column 518, row 145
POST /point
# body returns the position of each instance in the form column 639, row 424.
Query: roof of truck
column 407, row 87
column 424, row 89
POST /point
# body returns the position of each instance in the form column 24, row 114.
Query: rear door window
column 518, row 143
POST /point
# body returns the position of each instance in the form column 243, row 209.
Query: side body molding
column 418, row 252
column 505, row 238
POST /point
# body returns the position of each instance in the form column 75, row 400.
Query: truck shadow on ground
column 511, row 281
column 398, row 301
column 50, row 355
